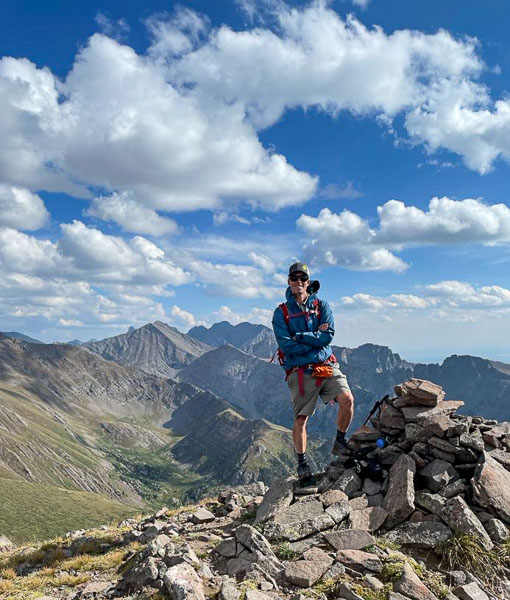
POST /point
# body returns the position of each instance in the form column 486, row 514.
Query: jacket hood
column 290, row 298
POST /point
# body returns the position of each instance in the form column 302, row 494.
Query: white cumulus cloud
column 446, row 221
column 345, row 239
column 21, row 209
column 183, row 317
column 131, row 215
column 177, row 127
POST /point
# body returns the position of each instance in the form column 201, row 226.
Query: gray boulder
column 277, row 498
column 437, row 474
column 419, row 535
column 399, row 500
column 299, row 520
column 491, row 487
column 462, row 519
column 182, row 582
column 411, row 586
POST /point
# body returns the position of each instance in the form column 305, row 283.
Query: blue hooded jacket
column 311, row 345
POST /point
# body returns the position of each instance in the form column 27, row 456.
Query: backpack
column 316, row 309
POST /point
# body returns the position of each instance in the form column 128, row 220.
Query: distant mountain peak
column 252, row 338
column 155, row 348
column 20, row 336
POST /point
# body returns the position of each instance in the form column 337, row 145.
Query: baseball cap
column 299, row 266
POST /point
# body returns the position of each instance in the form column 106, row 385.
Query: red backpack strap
column 317, row 306
column 285, row 310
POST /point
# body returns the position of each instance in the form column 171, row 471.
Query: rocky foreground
column 423, row 515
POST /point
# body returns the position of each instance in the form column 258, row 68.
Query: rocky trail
column 431, row 522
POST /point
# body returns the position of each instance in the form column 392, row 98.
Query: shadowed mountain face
column 484, row 385
column 252, row 339
column 155, row 348
column 259, row 388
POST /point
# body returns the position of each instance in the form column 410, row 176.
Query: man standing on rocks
column 304, row 328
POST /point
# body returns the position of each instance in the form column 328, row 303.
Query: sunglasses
column 295, row 278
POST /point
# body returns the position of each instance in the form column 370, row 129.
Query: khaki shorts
column 329, row 389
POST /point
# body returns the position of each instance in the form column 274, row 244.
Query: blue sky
column 169, row 161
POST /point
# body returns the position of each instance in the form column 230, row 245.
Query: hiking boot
column 340, row 447
column 305, row 475
column 304, row 471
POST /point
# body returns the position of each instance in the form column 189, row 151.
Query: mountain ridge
column 154, row 348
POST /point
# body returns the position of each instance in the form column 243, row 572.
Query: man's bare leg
column 299, row 437
column 299, row 433
column 344, row 418
column 345, row 411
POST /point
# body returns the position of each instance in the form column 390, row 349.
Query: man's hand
column 323, row 327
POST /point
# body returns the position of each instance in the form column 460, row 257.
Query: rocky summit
column 418, row 510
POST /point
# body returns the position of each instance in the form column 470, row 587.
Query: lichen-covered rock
column 227, row 548
column 332, row 496
column 349, row 539
column 437, row 474
column 497, row 530
column 349, row 482
column 358, row 559
column 419, row 391
column 229, row 590
column 391, row 417
column 434, row 503
column 346, row 592
column 358, row 503
column 419, row 535
column 470, row 591
column 306, row 572
column 298, row 521
column 339, row 511
column 183, row 583
column 411, row 586
column 438, row 424
column 416, row 414
column 462, row 519
column 370, row 518
column 257, row 595
column 473, row 440
column 202, row 515
column 252, row 539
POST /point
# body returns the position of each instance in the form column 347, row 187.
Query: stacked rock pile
column 443, row 474
column 354, row 536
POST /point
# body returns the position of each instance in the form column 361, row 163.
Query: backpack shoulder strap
column 317, row 304
column 285, row 310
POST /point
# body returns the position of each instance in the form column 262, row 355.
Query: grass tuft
column 284, row 552
column 369, row 594
column 465, row 552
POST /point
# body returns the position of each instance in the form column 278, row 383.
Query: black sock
column 302, row 458
column 340, row 435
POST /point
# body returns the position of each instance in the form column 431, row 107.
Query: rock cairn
column 443, row 474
